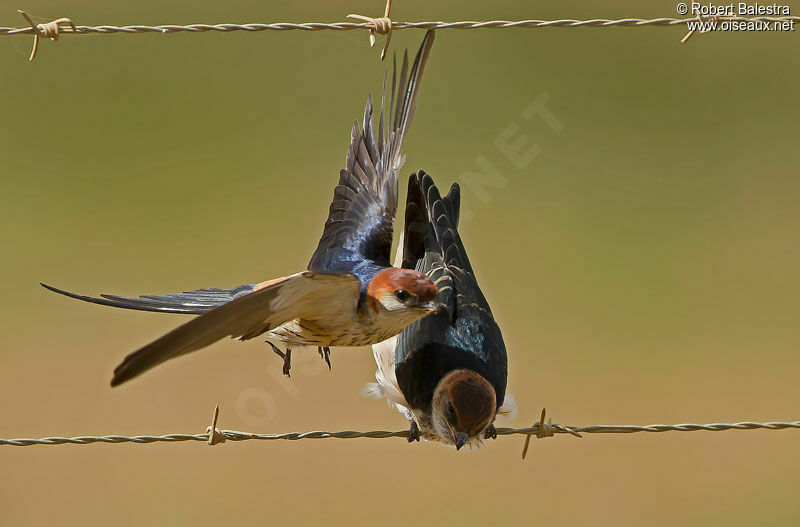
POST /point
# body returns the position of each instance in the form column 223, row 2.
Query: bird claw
column 413, row 432
column 287, row 362
column 325, row 353
column 491, row 432
column 287, row 358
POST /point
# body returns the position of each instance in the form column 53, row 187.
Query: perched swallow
column 446, row 372
column 349, row 296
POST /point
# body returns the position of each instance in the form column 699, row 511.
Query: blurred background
column 637, row 242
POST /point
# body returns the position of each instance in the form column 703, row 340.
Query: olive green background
column 643, row 266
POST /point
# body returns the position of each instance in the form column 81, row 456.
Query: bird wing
column 360, row 221
column 464, row 333
column 306, row 295
column 189, row 302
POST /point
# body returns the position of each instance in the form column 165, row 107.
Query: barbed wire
column 540, row 429
column 381, row 25
column 396, row 26
column 233, row 435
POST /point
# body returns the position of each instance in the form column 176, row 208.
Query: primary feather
column 189, row 302
column 357, row 237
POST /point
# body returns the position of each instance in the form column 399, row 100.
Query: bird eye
column 451, row 408
column 401, row 295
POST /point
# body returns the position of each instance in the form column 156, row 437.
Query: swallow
column 447, row 372
column 349, row 296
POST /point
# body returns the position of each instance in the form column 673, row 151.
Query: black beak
column 461, row 440
column 431, row 307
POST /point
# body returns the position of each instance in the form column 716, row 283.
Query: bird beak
column 461, row 440
column 430, row 307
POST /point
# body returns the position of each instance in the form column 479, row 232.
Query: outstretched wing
column 188, row 302
column 360, row 221
column 462, row 335
column 307, row 294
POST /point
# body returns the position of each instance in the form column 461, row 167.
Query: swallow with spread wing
column 447, row 372
column 349, row 296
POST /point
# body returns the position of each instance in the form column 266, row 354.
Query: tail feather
column 416, row 223
column 432, row 224
column 402, row 113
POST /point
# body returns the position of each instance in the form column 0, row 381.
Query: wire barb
column 547, row 429
column 381, row 25
column 48, row 30
column 215, row 435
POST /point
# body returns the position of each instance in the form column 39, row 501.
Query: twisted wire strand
column 349, row 26
column 233, row 435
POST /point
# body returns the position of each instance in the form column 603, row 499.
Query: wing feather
column 189, row 302
column 362, row 212
column 307, row 294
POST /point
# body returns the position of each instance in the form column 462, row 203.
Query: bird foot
column 287, row 358
column 491, row 432
column 325, row 353
column 413, row 432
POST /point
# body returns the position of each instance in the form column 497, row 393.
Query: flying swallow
column 349, row 296
column 446, row 372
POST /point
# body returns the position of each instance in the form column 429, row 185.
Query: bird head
column 404, row 292
column 464, row 405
